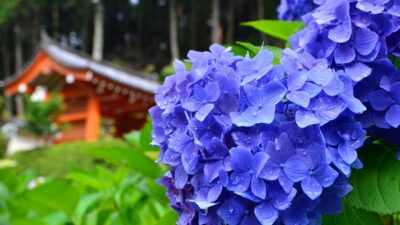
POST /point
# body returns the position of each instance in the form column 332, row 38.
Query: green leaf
column 85, row 202
column 353, row 216
column 141, row 139
column 253, row 50
column 168, row 218
column 57, row 195
column 135, row 160
column 376, row 186
column 238, row 50
column 58, row 218
column 276, row 28
column 7, row 8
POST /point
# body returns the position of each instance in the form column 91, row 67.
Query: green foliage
column 124, row 154
column 239, row 50
column 114, row 184
column 168, row 70
column 3, row 145
column 58, row 160
column 141, row 139
column 353, row 216
column 49, row 197
column 40, row 116
column 253, row 50
column 275, row 28
column 7, row 7
column 376, row 186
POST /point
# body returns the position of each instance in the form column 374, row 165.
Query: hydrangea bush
column 249, row 142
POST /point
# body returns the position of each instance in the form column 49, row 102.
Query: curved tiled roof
column 76, row 60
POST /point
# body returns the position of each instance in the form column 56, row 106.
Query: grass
column 58, row 160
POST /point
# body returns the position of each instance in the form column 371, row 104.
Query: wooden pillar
column 117, row 125
column 93, row 118
column 19, row 103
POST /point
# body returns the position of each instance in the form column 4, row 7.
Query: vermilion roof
column 76, row 60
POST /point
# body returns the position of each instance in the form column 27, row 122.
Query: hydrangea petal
column 312, row 89
column 311, row 187
column 181, row 177
column 296, row 169
column 273, row 92
column 344, row 54
column 395, row 92
column 334, row 87
column 204, row 111
column 231, row 211
column 301, row 98
column 258, row 187
column 305, row 118
column 214, row 193
column 271, row 171
column 348, row 154
column 365, row 41
column 392, row 116
column 326, row 175
column 242, row 160
column 355, row 105
column 260, row 159
column 358, row 71
column 341, row 33
column 239, row 182
column 320, row 76
column 296, row 80
column 285, row 182
column 212, row 92
column 380, row 100
column 191, row 104
column 266, row 213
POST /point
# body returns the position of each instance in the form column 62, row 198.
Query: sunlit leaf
column 59, row 195
column 352, row 216
column 253, row 50
column 376, row 186
column 276, row 28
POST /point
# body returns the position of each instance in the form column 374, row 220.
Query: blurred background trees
column 141, row 34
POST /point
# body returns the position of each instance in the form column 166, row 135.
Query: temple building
column 91, row 90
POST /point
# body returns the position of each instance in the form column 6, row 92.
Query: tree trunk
column 192, row 26
column 231, row 22
column 5, row 56
column 98, row 34
column 216, row 34
column 19, row 104
column 260, row 16
column 173, row 31
column 84, row 32
column 55, row 20
column 18, row 46
column 36, row 28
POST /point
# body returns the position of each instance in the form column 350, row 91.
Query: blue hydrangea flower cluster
column 293, row 10
column 252, row 143
column 359, row 37
column 248, row 142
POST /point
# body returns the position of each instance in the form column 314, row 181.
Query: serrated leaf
column 238, row 50
column 376, row 186
column 276, row 28
column 135, row 160
column 353, row 216
column 90, row 179
column 141, row 139
column 85, row 202
column 253, row 50
column 168, row 218
column 57, row 195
